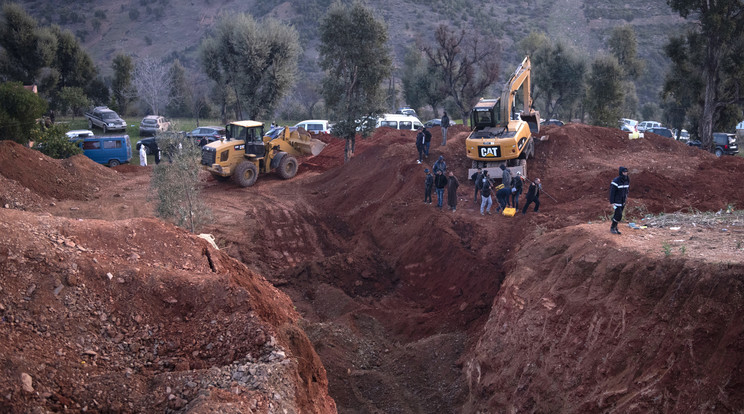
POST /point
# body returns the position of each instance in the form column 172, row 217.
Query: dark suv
column 664, row 132
column 206, row 134
column 725, row 144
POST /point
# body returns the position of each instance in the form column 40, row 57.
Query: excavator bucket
column 532, row 119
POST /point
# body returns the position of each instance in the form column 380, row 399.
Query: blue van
column 110, row 151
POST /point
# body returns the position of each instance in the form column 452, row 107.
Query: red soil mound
column 74, row 178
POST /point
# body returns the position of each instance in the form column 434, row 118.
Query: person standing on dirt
column 440, row 165
column 506, row 179
column 516, row 189
column 428, row 185
column 420, row 145
column 143, row 156
column 427, row 142
column 477, row 178
column 618, row 196
column 533, row 196
column 486, row 188
column 445, row 124
column 440, row 182
column 452, row 185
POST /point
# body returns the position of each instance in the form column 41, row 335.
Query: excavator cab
column 485, row 114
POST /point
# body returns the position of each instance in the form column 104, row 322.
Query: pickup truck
column 106, row 119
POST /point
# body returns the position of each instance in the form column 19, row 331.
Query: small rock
column 31, row 289
column 74, row 208
column 7, row 206
column 133, row 256
column 120, row 280
column 58, row 289
column 171, row 300
column 109, row 276
column 27, row 383
column 90, row 352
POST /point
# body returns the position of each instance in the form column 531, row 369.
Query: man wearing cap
column 420, row 145
column 618, row 197
column 428, row 184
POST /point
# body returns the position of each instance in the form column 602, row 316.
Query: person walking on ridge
column 445, row 121
column 618, row 197
column 533, row 196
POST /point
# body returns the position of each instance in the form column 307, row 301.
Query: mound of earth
column 76, row 178
column 138, row 316
column 413, row 309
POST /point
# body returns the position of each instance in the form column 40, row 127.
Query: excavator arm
column 520, row 79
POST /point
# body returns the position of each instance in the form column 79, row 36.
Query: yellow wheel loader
column 247, row 152
column 499, row 136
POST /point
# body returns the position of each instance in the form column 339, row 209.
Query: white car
column 643, row 126
column 398, row 121
column 79, row 134
column 316, row 126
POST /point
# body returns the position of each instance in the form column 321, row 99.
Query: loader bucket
column 532, row 119
column 311, row 146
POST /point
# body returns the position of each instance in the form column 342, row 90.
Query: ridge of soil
column 402, row 301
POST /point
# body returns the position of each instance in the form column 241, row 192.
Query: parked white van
column 316, row 126
column 398, row 121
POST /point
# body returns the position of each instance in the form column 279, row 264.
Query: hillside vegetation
column 171, row 29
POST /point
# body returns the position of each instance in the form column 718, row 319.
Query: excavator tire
column 287, row 167
column 245, row 174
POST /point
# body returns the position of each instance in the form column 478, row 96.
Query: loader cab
column 251, row 132
column 485, row 114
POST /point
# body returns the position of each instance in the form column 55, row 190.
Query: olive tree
column 356, row 61
column 19, row 110
column 604, row 91
column 257, row 60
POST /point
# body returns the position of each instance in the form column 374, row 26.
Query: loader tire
column 288, row 167
column 245, row 174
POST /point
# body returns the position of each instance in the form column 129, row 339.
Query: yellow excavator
column 246, row 151
column 500, row 136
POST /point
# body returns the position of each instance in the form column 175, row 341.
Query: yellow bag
column 509, row 211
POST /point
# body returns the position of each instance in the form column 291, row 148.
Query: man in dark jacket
column 428, row 185
column 618, row 196
column 440, row 182
column 440, row 165
column 477, row 178
column 452, row 185
column 506, row 179
column 427, row 142
column 445, row 124
column 516, row 189
column 420, row 145
column 486, row 187
column 533, row 195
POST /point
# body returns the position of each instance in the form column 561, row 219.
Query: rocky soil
column 379, row 301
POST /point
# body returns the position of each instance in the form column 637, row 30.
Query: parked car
column 316, row 126
column 681, row 135
column 110, row 151
column 79, row 134
column 106, row 119
column 206, row 134
column 437, row 122
column 664, row 132
column 553, row 122
column 152, row 124
column 643, row 126
column 397, row 121
column 406, row 111
column 725, row 144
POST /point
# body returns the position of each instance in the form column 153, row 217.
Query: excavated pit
column 411, row 309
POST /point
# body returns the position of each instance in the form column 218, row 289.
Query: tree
column 178, row 104
column 604, row 91
column 19, row 110
column 53, row 142
column 25, row 48
column 121, row 85
column 720, row 36
column 354, row 55
column 176, row 183
column 422, row 84
column 559, row 74
column 469, row 64
column 73, row 100
column 624, row 46
column 152, row 83
column 257, row 61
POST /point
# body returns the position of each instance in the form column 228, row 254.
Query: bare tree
column 153, row 83
column 468, row 63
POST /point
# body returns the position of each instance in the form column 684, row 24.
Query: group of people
column 423, row 139
column 440, row 180
column 507, row 194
